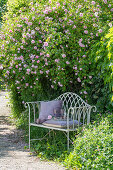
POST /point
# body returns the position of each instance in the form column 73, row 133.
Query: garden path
column 13, row 156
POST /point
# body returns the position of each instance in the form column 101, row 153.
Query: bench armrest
column 32, row 105
column 77, row 113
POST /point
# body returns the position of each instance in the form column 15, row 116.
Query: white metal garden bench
column 76, row 111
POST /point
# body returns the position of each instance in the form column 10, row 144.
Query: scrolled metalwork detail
column 26, row 105
column 94, row 109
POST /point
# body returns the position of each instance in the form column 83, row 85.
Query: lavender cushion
column 61, row 123
column 47, row 108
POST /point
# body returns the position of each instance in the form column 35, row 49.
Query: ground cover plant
column 93, row 148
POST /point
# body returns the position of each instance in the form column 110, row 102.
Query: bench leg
column 29, row 126
column 29, row 136
column 68, row 140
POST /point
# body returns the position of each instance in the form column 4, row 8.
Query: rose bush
column 46, row 46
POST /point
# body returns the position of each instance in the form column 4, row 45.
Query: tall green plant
column 102, row 51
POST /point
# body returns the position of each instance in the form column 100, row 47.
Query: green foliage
column 2, row 9
column 93, row 149
column 100, row 95
column 17, row 106
column 103, row 56
column 53, row 147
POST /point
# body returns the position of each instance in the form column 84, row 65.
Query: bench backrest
column 79, row 107
column 70, row 99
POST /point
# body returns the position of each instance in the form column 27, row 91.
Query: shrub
column 94, row 148
column 46, row 46
column 104, row 60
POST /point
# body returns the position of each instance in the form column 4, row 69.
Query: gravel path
column 13, row 156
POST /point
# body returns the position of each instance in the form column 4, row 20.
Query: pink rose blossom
column 38, row 61
column 45, row 44
column 67, row 62
column 81, row 14
column 93, row 2
column 35, row 47
column 41, row 72
column 100, row 30
column 85, row 92
column 7, row 72
column 46, row 64
column 85, row 27
column 109, row 5
column 28, row 70
column 48, row 55
column 56, row 60
column 33, row 18
column 40, row 41
column 47, row 72
column 25, row 65
column 74, row 26
column 29, row 23
column 33, row 9
column 54, row 8
column 78, row 79
column 95, row 25
column 33, row 41
column 75, row 68
column 60, row 84
column 41, row 54
column 10, row 31
column 37, row 56
column 90, row 77
column 23, row 41
column 84, row 56
column 81, row 45
column 105, row 1
column 45, row 12
column 86, row 32
column 63, row 55
column 58, row 4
